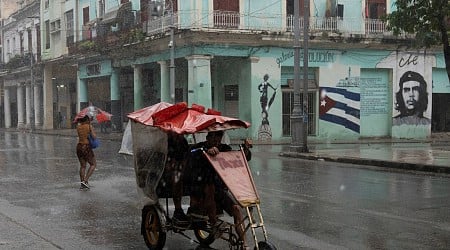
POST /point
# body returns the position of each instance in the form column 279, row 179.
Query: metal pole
column 296, row 116
column 305, row 75
column 172, row 56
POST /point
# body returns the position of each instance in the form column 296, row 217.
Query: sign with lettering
column 233, row 169
column 314, row 56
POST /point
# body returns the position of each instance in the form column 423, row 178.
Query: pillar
column 20, row 108
column 116, row 119
column 165, row 84
column 138, row 93
column 48, row 99
column 28, row 100
column 83, row 101
column 199, row 80
column 7, row 105
column 37, row 90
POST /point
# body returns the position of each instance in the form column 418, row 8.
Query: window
column 288, row 105
column 226, row 13
column 47, row 34
column 21, row 37
column 69, row 27
column 85, row 15
column 290, row 7
column 30, row 41
column 55, row 26
column 375, row 9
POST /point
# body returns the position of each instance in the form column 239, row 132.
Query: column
column 199, row 80
column 28, row 106
column 116, row 119
column 83, row 101
column 251, row 100
column 48, row 97
column 20, row 108
column 138, row 94
column 165, row 84
column 37, row 105
column 7, row 105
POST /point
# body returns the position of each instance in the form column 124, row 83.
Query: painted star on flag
column 326, row 103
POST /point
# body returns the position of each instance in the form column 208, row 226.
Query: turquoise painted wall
column 440, row 81
column 334, row 68
column 262, row 14
column 376, row 103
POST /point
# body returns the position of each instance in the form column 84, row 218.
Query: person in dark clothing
column 209, row 195
column 176, row 158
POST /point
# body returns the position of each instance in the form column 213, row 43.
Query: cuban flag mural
column 340, row 106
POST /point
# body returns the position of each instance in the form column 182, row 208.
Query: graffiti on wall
column 341, row 107
column 265, row 132
column 411, row 100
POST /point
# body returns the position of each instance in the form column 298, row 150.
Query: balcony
column 18, row 61
column 105, row 37
column 234, row 21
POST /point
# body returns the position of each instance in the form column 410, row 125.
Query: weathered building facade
column 237, row 56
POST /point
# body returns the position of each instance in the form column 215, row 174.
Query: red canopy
column 181, row 119
column 94, row 112
column 144, row 115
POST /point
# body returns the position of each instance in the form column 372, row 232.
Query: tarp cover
column 150, row 151
column 183, row 120
column 144, row 115
column 233, row 169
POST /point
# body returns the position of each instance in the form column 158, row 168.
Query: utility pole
column 298, row 120
column 172, row 54
column 157, row 9
column 305, row 75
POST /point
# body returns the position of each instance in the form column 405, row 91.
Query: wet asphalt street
column 306, row 204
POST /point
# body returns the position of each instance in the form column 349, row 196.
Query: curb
column 371, row 162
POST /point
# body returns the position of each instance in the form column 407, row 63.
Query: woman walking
column 84, row 151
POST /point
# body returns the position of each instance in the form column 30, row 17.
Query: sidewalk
column 431, row 154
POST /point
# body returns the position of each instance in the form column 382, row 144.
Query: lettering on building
column 318, row 57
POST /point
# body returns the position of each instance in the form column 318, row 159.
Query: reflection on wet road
column 306, row 204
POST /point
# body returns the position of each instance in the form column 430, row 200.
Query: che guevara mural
column 412, row 93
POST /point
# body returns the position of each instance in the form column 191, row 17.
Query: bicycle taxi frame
column 148, row 130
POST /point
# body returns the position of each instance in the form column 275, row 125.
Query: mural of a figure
column 265, row 132
column 411, row 100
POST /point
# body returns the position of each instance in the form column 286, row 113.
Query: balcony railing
column 236, row 21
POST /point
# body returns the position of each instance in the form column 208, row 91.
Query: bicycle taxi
column 147, row 135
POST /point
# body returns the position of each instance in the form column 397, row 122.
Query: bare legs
column 83, row 176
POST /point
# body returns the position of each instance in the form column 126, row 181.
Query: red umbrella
column 93, row 112
column 103, row 117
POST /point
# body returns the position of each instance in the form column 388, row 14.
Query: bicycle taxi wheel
column 151, row 228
